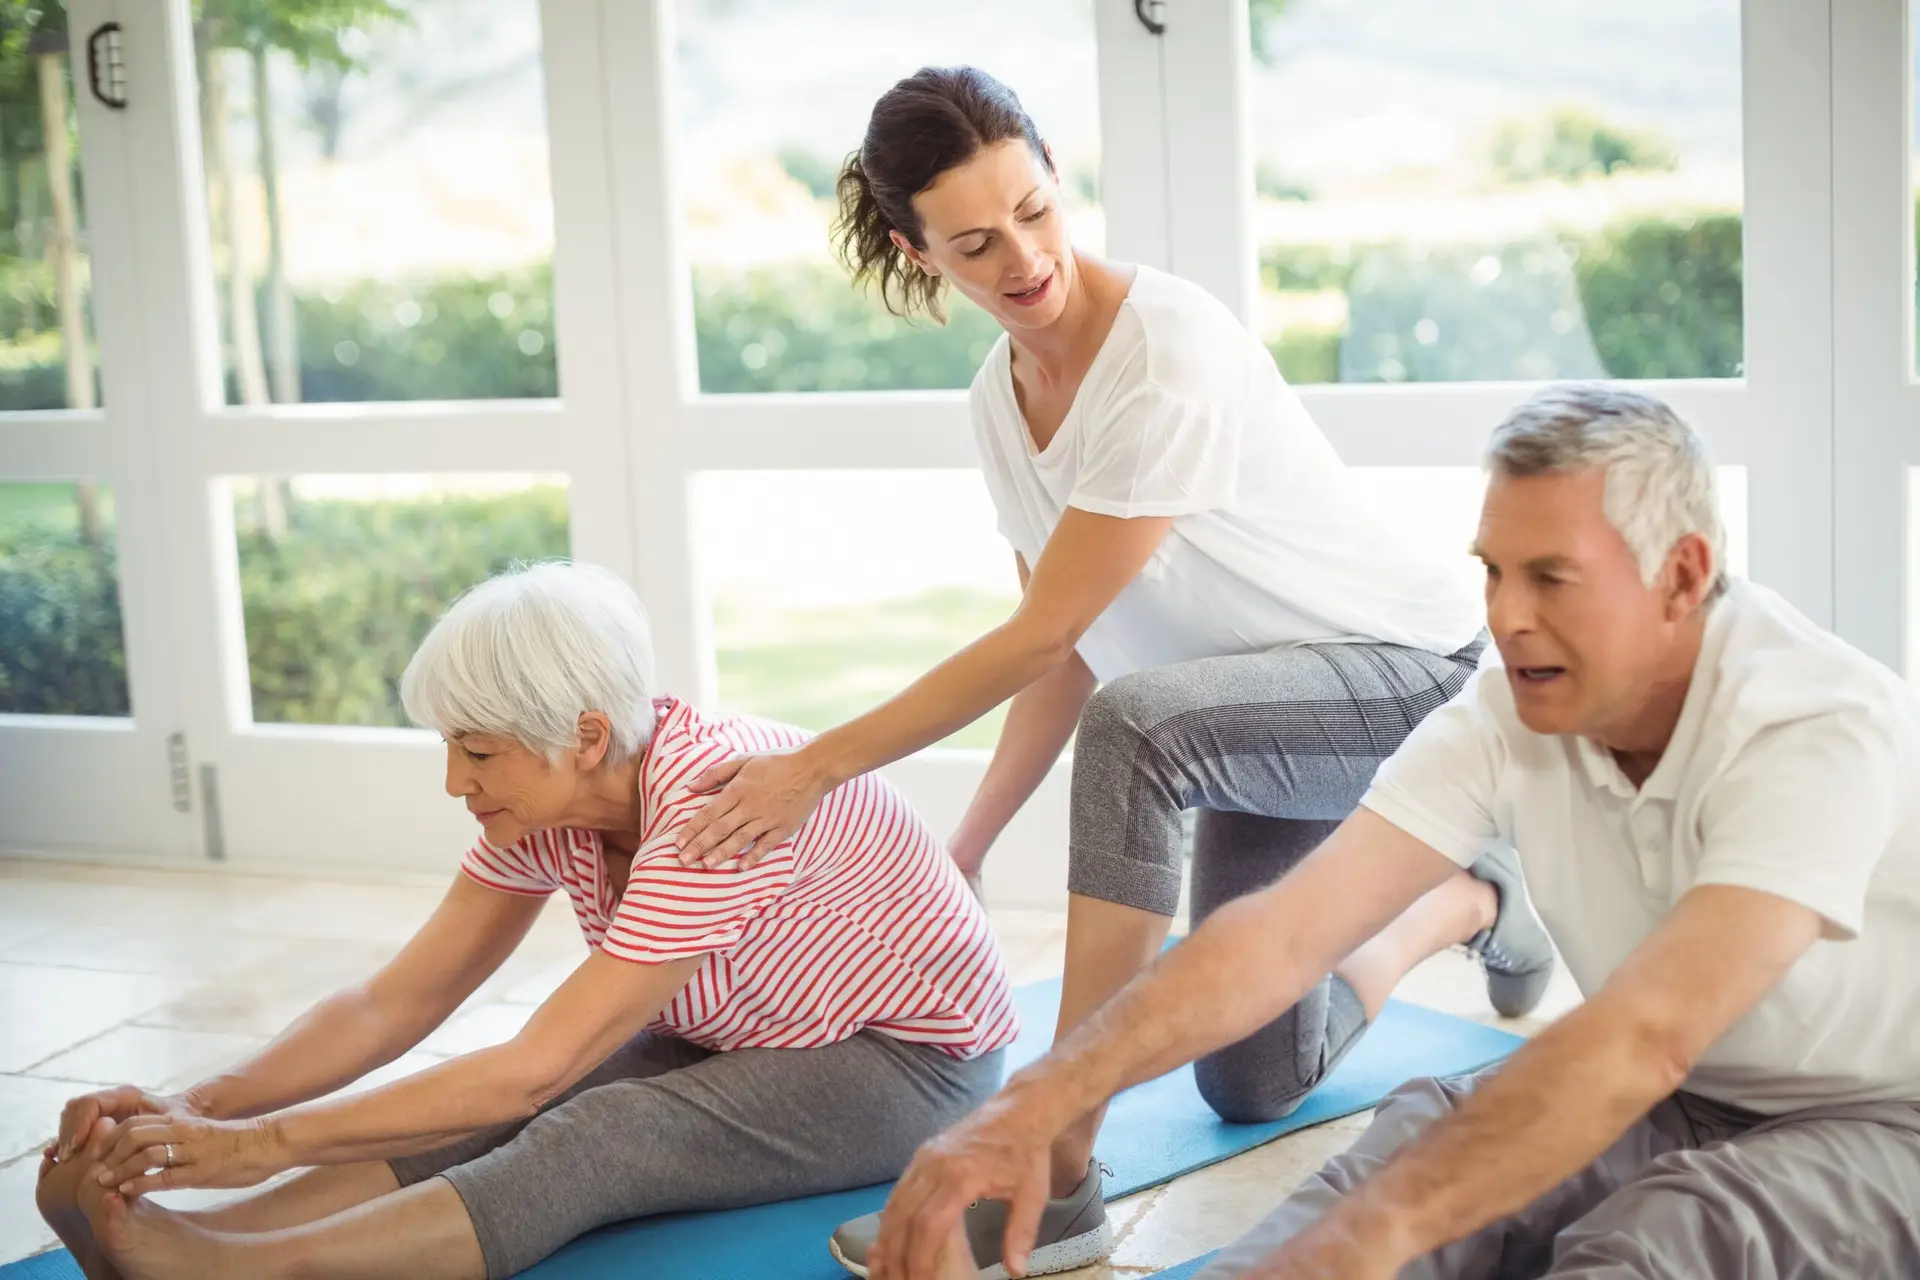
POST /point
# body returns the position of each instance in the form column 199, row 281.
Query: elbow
column 534, row 1081
column 1044, row 644
column 1665, row 1053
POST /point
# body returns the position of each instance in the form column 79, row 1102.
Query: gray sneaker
column 1073, row 1233
column 1516, row 951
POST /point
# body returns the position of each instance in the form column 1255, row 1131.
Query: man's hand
column 997, row 1153
column 118, row 1104
column 761, row 801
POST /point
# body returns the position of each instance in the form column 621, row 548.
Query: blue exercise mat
column 1185, row 1271
column 1152, row 1134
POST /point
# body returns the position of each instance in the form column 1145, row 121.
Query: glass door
column 91, row 762
column 379, row 318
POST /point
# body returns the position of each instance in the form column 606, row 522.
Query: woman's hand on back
column 759, row 801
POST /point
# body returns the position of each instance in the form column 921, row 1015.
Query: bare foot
column 57, row 1193
column 147, row 1242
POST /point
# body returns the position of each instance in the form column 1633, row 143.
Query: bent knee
column 1243, row 1092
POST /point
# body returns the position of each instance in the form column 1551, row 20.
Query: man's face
column 1584, row 638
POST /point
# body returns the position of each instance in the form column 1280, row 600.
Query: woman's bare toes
column 146, row 1242
column 57, row 1194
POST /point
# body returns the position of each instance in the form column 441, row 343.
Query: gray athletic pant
column 1275, row 749
column 664, row 1125
column 1697, row 1189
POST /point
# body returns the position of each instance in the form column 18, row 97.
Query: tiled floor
column 111, row 975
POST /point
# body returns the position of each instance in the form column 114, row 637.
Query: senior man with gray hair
column 1715, row 807
column 733, row 1035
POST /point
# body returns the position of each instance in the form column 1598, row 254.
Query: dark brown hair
column 934, row 120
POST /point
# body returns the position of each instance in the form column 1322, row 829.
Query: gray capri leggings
column 1275, row 749
column 664, row 1125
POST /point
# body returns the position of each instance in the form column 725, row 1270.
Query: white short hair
column 1660, row 482
column 526, row 653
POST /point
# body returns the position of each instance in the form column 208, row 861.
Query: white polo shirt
column 1793, row 770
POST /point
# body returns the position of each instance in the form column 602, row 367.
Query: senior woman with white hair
column 733, row 1036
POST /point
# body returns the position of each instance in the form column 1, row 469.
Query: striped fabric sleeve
column 514, row 869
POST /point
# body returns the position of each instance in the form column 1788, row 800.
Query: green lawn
column 44, row 505
column 818, row 667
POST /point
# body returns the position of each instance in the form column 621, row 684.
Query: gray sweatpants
column 1276, row 750
column 664, row 1125
column 1696, row 1189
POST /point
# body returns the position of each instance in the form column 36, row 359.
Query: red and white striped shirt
column 861, row 921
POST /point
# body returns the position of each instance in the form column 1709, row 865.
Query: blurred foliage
column 468, row 338
column 61, row 647
column 1642, row 298
column 336, row 607
column 1573, row 143
column 800, row 328
column 811, row 170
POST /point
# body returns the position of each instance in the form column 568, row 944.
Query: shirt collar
column 1663, row 783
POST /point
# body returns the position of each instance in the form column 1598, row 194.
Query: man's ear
column 1691, row 573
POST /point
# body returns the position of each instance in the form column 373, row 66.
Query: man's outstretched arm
column 1251, row 961
column 1566, row 1096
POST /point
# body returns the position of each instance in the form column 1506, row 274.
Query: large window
column 377, row 178
column 763, row 134
column 1498, row 189
column 46, row 342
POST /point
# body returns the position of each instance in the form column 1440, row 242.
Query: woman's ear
column 593, row 740
column 913, row 255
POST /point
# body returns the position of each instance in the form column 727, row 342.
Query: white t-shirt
column 1183, row 414
column 1794, row 769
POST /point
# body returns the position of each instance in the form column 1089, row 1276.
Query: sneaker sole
column 1062, row 1255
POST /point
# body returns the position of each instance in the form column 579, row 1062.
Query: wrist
column 1047, row 1100
column 826, row 763
column 1392, row 1232
column 203, row 1100
column 277, row 1142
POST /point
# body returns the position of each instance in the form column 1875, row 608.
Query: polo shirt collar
column 1604, row 772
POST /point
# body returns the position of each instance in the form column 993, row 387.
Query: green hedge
column 336, row 607
column 61, row 651
column 1640, row 299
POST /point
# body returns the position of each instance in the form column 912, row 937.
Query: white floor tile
column 45, row 1010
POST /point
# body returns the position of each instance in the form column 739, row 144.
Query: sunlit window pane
column 1498, row 189
column 378, row 186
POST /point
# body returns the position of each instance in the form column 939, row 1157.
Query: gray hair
column 1660, row 482
column 526, row 653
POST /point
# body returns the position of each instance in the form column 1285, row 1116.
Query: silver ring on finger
column 169, row 1149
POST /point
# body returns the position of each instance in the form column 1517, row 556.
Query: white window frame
column 1823, row 241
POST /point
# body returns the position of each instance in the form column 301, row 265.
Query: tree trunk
column 62, row 247
column 282, row 346
column 243, row 317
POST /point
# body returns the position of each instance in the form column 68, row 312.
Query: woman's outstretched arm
column 605, row 1003
column 763, row 800
column 353, row 1031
